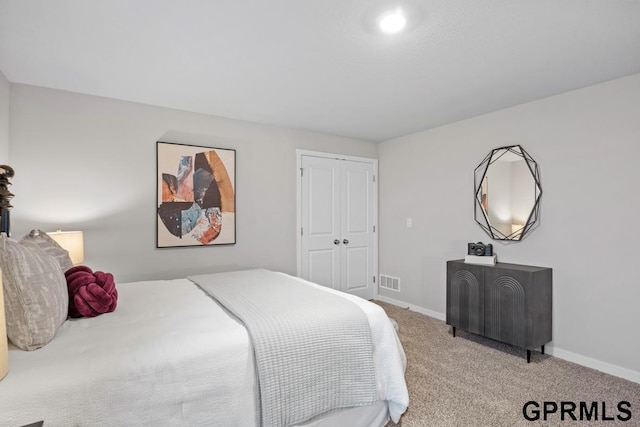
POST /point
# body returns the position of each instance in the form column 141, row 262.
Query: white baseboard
column 412, row 307
column 598, row 365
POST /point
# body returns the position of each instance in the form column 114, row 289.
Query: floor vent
column 390, row 282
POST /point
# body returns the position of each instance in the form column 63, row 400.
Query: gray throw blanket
column 313, row 349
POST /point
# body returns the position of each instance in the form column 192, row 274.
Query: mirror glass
column 507, row 193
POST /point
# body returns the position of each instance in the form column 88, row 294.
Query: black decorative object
column 6, row 173
column 507, row 193
column 480, row 249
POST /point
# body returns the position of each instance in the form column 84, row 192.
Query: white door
column 337, row 224
column 320, row 210
column 357, row 232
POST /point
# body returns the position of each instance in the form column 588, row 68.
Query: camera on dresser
column 480, row 253
column 480, row 249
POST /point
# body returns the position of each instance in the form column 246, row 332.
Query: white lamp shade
column 72, row 241
column 4, row 345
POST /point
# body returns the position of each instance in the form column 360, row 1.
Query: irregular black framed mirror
column 507, row 193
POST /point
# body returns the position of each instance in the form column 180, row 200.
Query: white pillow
column 35, row 293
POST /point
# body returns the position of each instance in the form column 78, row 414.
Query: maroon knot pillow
column 90, row 293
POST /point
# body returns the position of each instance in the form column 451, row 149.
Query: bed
column 243, row 348
column 172, row 355
column 191, row 351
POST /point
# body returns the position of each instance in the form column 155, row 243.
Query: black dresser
column 510, row 303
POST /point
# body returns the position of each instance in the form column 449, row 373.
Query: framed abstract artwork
column 196, row 197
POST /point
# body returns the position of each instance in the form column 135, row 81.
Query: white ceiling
column 321, row 65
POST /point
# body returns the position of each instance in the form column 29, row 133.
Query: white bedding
column 389, row 358
column 150, row 364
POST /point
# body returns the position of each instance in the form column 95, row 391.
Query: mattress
column 168, row 356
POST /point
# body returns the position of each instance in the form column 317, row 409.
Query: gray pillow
column 50, row 246
column 36, row 299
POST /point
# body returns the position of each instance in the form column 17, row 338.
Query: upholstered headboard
column 6, row 173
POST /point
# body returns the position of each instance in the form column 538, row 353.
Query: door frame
column 299, row 154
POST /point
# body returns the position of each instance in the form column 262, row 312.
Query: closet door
column 320, row 210
column 337, row 219
column 356, row 253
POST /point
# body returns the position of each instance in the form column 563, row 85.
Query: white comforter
column 168, row 356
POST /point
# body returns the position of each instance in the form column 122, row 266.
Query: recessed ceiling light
column 392, row 21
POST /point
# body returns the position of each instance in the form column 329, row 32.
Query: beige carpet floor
column 474, row 381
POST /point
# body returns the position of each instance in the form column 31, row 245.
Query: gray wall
column 88, row 163
column 5, row 96
column 84, row 162
column 587, row 144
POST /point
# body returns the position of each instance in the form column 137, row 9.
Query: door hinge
column 374, row 279
column 374, row 228
column 301, row 171
column 301, row 231
column 374, row 178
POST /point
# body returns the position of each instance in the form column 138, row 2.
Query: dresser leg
column 528, row 356
column 454, row 331
column 542, row 349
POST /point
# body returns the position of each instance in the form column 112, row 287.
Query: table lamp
column 72, row 241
